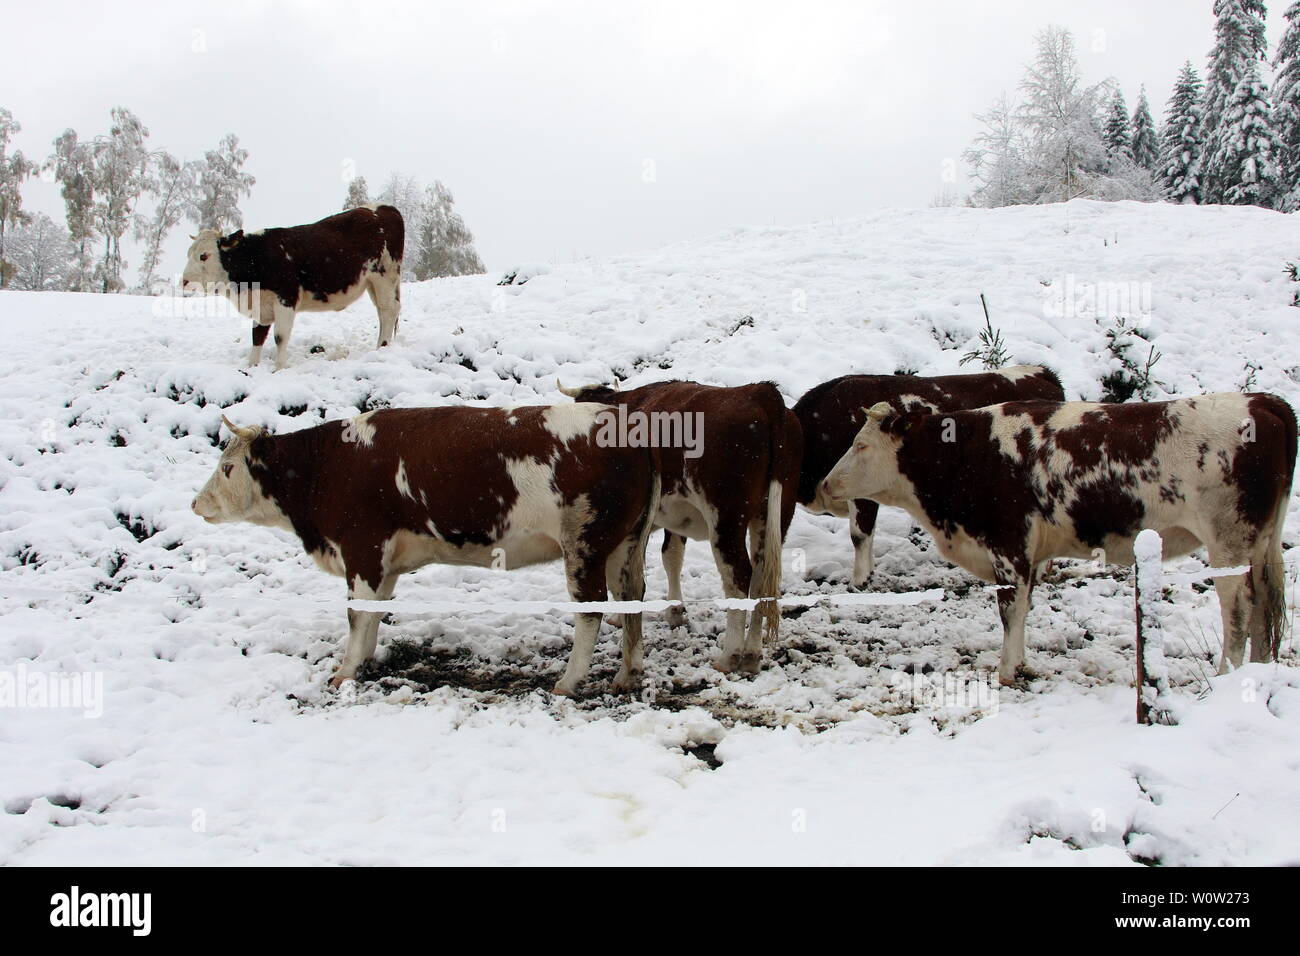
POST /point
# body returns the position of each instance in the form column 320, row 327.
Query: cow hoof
column 1020, row 677
column 739, row 663
column 338, row 680
column 626, row 683
column 675, row 616
column 565, row 689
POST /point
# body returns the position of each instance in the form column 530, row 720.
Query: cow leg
column 363, row 626
column 1013, row 606
column 673, row 553
column 384, row 297
column 862, row 529
column 1235, row 611
column 736, row 571
column 259, row 339
column 625, row 575
column 586, row 578
column 283, row 329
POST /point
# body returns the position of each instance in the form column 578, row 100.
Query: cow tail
column 1269, row 581
column 767, row 570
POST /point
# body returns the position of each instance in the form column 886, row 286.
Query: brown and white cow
column 273, row 274
column 395, row 489
column 832, row 414
column 1005, row 489
column 729, row 463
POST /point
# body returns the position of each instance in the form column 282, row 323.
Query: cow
column 833, row 412
column 392, row 490
column 728, row 472
column 1004, row 489
column 271, row 275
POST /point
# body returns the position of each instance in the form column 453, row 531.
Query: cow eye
column 861, row 446
column 203, row 258
column 227, row 468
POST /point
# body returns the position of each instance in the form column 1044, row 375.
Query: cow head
column 203, row 267
column 231, row 494
column 603, row 394
column 870, row 466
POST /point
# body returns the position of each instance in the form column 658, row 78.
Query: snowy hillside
column 218, row 742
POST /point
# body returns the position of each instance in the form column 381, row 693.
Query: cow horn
column 571, row 392
column 247, row 434
column 878, row 411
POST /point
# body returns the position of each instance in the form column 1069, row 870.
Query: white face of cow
column 203, row 267
column 870, row 466
column 231, row 494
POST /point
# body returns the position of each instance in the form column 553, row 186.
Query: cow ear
column 232, row 240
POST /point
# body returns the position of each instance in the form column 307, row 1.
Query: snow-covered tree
column 997, row 159
column 1246, row 147
column 121, row 166
column 1143, row 143
column 74, row 170
column 404, row 192
column 221, row 181
column 14, row 168
column 41, row 254
column 444, row 245
column 1059, row 114
column 171, row 182
column 1182, row 140
column 358, row 194
column 1118, row 139
column 1239, row 43
column 1286, row 109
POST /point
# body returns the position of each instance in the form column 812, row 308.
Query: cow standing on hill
column 735, row 479
column 395, row 489
column 832, row 414
column 273, row 274
column 1005, row 489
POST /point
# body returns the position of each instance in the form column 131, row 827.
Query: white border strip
column 416, row 606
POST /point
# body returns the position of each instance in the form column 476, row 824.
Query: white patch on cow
column 329, row 559
column 537, row 506
column 567, row 422
column 403, row 485
column 361, row 430
column 908, row 402
column 1016, row 372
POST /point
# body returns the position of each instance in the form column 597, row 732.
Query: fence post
column 1152, row 671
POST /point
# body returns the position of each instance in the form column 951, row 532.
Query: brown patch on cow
column 832, row 413
column 1105, row 506
column 1262, row 469
column 969, row 485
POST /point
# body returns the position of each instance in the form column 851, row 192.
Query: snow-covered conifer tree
column 1117, row 133
column 1239, row 42
column 1246, row 146
column 1143, row 142
column 1286, row 110
column 1182, row 140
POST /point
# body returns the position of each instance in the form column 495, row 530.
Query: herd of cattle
column 1003, row 472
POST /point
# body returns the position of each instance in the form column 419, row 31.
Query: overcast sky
column 572, row 129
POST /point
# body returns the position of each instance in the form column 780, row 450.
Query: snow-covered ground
column 218, row 742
